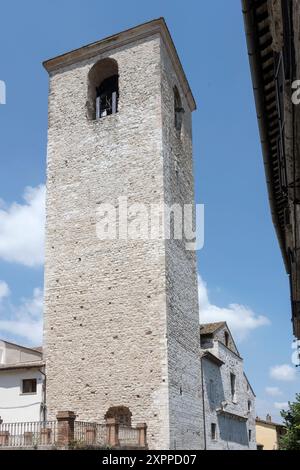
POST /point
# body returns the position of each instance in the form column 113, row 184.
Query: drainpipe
column 44, row 396
column 203, row 404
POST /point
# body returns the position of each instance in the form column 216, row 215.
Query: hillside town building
column 22, row 383
column 228, row 399
column 268, row 433
column 226, row 396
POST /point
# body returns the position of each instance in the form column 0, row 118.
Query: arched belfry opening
column 178, row 109
column 103, row 89
column 122, row 415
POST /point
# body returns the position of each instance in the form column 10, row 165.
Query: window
column 29, row 386
column 213, row 431
column 249, row 405
column 178, row 110
column 107, row 97
column 226, row 337
column 233, row 387
column 250, row 435
column 103, row 89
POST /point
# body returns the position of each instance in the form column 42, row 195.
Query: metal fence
column 28, row 434
column 54, row 434
column 90, row 434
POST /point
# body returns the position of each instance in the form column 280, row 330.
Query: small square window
column 29, row 386
column 213, row 431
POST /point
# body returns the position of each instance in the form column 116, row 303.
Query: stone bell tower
column 121, row 316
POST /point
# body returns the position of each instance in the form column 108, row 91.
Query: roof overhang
column 212, row 358
column 231, row 415
column 22, row 365
column 262, row 65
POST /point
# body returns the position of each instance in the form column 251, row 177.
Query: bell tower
column 121, row 315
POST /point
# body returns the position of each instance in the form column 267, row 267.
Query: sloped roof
column 38, row 349
column 210, row 328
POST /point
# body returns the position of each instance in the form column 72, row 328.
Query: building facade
column 273, row 39
column 268, row 433
column 121, row 316
column 21, row 383
column 228, row 399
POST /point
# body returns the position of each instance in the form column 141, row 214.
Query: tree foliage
column 291, row 439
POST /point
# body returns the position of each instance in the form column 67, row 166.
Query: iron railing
column 51, row 435
column 28, row 434
column 90, row 434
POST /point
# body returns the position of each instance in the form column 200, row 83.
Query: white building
column 21, row 383
column 228, row 399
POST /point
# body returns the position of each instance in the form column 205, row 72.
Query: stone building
column 121, row 324
column 228, row 399
column 273, row 39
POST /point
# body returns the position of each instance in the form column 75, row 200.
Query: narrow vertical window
column 249, row 405
column 213, row 431
column 178, row 110
column 250, row 435
column 233, row 387
column 226, row 337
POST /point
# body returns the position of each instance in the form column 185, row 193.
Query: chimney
column 269, row 418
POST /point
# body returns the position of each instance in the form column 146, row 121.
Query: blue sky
column 243, row 277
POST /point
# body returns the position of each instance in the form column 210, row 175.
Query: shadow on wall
column 213, row 384
column 233, row 430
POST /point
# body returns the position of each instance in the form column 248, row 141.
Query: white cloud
column 240, row 318
column 25, row 320
column 273, row 391
column 281, row 406
column 22, row 229
column 4, row 290
column 284, row 372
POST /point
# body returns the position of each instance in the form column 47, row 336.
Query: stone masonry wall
column 232, row 433
column 105, row 301
column 120, row 316
column 186, row 420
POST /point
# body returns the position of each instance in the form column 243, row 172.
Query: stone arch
column 103, row 89
column 122, row 415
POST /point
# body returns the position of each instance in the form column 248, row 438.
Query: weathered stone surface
column 232, row 417
column 121, row 317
